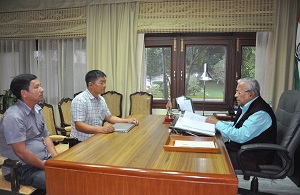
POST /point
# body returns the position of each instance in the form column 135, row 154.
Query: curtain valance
column 41, row 24
column 154, row 16
column 207, row 16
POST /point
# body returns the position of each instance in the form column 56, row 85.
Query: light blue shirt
column 252, row 127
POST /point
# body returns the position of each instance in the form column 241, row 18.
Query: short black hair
column 93, row 75
column 21, row 82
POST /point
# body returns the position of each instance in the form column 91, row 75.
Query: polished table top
column 142, row 150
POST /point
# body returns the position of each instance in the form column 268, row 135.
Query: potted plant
column 7, row 99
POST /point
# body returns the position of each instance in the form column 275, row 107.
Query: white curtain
column 16, row 57
column 60, row 65
column 112, row 47
column 264, row 63
column 274, row 63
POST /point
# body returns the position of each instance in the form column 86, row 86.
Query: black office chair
column 288, row 138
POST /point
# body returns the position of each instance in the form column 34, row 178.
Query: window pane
column 158, row 63
column 215, row 58
column 248, row 62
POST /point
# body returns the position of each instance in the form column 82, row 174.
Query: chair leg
column 254, row 186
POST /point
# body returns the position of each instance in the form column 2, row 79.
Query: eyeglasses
column 240, row 92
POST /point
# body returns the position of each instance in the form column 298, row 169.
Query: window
column 175, row 62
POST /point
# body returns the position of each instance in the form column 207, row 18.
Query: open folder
column 193, row 123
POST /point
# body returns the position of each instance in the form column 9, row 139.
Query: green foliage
column 7, row 100
column 197, row 55
column 158, row 60
column 248, row 63
column 194, row 86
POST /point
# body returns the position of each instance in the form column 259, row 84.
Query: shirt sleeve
column 14, row 129
column 78, row 108
column 252, row 127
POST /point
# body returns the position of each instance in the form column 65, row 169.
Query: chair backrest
column 75, row 94
column 64, row 108
column 288, row 121
column 113, row 100
column 48, row 113
column 140, row 103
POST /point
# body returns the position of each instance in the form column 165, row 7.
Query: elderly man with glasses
column 255, row 122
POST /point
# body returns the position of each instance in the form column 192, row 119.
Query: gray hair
column 252, row 85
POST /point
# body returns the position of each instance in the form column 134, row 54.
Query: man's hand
column 106, row 129
column 212, row 120
column 133, row 120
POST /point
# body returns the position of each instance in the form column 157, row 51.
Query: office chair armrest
column 262, row 146
column 265, row 146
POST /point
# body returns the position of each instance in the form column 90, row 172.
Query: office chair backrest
column 113, row 100
column 140, row 103
column 288, row 122
column 64, row 108
column 48, row 113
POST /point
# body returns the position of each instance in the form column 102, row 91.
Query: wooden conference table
column 136, row 163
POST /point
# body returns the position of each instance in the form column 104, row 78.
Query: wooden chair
column 140, row 103
column 57, row 134
column 75, row 94
column 114, row 102
column 64, row 108
column 13, row 187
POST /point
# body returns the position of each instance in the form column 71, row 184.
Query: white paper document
column 195, row 123
column 200, row 144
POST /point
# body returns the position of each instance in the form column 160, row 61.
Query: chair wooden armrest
column 14, row 187
column 67, row 129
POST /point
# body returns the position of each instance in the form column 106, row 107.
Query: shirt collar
column 246, row 106
column 27, row 109
column 91, row 95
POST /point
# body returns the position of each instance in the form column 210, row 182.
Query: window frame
column 178, row 42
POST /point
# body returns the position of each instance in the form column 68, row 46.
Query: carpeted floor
column 268, row 186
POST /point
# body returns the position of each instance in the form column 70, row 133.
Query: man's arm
column 89, row 129
column 26, row 155
column 50, row 146
column 252, row 127
column 115, row 119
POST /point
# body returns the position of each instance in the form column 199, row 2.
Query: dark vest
column 268, row 136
